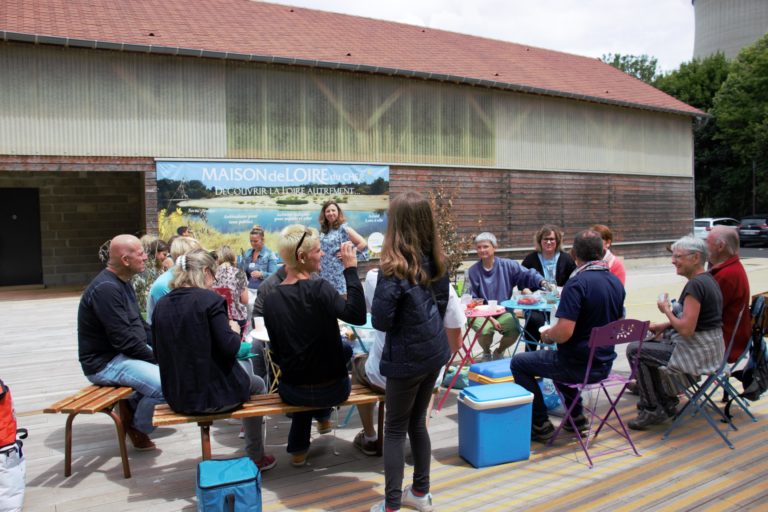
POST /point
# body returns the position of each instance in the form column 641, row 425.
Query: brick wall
column 83, row 203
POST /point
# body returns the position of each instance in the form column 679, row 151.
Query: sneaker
column 379, row 507
column 542, row 433
column 241, row 435
column 647, row 417
column 298, row 459
column 367, row 447
column 581, row 421
column 266, row 462
column 421, row 503
column 324, row 426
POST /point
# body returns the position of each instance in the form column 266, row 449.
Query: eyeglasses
column 681, row 256
column 550, row 240
column 301, row 241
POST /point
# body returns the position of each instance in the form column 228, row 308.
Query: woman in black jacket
column 301, row 316
column 197, row 351
column 409, row 305
column 554, row 264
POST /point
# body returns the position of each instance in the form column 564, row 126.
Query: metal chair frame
column 700, row 395
column 615, row 333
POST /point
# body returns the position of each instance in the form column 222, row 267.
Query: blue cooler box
column 495, row 424
column 490, row 372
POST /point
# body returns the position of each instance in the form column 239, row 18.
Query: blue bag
column 229, row 485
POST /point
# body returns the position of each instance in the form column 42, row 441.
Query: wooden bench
column 91, row 400
column 264, row 405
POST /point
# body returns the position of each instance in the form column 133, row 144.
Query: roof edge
column 21, row 37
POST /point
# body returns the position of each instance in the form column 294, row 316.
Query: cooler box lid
column 493, row 369
column 492, row 396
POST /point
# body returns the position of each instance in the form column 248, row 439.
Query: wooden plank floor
column 693, row 470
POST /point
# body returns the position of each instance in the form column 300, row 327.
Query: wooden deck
column 693, row 470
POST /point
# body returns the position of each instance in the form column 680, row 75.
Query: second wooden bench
column 264, row 405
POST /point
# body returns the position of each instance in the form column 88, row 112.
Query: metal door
column 21, row 260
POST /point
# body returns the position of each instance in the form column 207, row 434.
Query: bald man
column 114, row 340
column 726, row 268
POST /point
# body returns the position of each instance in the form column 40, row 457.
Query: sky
column 659, row 28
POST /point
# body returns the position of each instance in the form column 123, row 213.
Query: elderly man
column 494, row 278
column 114, row 340
column 726, row 268
column 591, row 298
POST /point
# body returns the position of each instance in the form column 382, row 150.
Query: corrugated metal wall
column 82, row 102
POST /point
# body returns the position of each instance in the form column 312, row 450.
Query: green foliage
column 741, row 111
column 642, row 67
column 741, row 106
column 696, row 83
column 291, row 200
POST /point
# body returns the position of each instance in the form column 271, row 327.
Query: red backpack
column 7, row 417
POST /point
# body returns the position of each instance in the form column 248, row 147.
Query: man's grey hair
column 729, row 236
column 692, row 244
column 486, row 237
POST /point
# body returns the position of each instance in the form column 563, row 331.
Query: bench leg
column 68, row 444
column 380, row 436
column 205, row 439
column 120, row 436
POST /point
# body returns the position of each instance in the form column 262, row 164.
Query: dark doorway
column 21, row 260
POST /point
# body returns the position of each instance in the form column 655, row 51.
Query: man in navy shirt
column 114, row 340
column 591, row 298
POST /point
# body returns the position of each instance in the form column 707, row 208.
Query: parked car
column 704, row 225
column 754, row 228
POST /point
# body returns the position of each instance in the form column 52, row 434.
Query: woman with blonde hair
column 198, row 352
column 409, row 305
column 301, row 316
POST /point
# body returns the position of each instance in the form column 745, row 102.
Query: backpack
column 12, row 464
column 754, row 376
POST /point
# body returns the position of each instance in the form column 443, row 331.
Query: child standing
column 409, row 305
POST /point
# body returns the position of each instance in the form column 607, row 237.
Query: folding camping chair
column 700, row 395
column 615, row 333
column 757, row 311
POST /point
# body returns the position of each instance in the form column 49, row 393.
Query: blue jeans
column 143, row 377
column 323, row 397
column 549, row 364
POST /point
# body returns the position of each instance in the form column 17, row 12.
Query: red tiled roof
column 252, row 30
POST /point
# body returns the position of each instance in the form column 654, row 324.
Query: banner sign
column 222, row 201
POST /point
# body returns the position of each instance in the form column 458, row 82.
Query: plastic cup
column 492, row 305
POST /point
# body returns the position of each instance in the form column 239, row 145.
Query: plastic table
column 543, row 306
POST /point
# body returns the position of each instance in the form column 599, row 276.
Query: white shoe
column 423, row 503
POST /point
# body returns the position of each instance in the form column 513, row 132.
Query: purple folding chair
column 615, row 333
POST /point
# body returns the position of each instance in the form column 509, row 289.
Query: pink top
column 615, row 266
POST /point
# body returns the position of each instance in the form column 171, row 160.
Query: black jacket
column 196, row 350
column 416, row 342
column 565, row 266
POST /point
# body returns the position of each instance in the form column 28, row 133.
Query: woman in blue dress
column 333, row 232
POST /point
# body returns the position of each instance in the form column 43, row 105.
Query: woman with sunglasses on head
column 334, row 231
column 409, row 304
column 197, row 351
column 554, row 264
column 301, row 316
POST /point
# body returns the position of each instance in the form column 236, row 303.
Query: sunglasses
column 301, row 241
